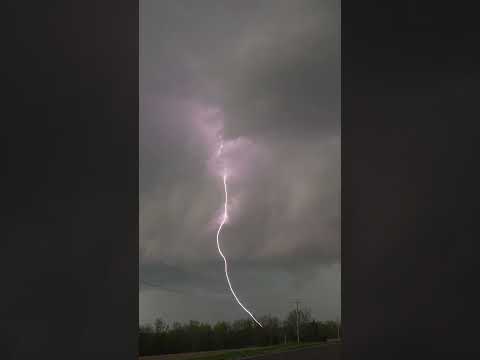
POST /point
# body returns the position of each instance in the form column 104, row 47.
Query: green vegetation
column 247, row 352
column 240, row 338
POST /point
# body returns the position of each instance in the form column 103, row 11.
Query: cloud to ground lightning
column 225, row 217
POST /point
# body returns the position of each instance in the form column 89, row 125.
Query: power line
column 189, row 293
column 160, row 287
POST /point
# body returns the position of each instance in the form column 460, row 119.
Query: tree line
column 160, row 338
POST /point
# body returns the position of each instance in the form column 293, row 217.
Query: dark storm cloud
column 266, row 75
column 290, row 73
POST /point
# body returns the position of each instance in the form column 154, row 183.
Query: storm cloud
column 264, row 77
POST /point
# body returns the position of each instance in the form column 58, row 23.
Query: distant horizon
column 211, row 322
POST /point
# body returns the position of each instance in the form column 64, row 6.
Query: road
column 330, row 352
column 186, row 356
column 322, row 352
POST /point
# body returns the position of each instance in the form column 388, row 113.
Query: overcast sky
column 264, row 78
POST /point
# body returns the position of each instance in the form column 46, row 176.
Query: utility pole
column 298, row 332
column 338, row 329
column 297, row 302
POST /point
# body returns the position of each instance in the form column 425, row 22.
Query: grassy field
column 235, row 354
column 247, row 352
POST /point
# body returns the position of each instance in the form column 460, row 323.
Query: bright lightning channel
column 225, row 216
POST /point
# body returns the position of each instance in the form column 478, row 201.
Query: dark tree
column 196, row 336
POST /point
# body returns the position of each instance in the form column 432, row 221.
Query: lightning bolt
column 225, row 217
